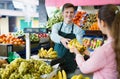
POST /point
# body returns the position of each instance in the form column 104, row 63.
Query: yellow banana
column 41, row 55
column 86, row 78
column 42, row 49
column 52, row 53
column 79, row 76
column 60, row 75
column 53, row 56
column 44, row 53
column 69, row 45
column 50, row 50
column 74, row 77
column 64, row 74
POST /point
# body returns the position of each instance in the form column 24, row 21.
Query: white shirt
column 66, row 28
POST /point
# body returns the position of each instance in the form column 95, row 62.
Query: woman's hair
column 110, row 14
column 68, row 5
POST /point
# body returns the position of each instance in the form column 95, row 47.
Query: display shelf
column 94, row 33
column 38, row 58
column 34, row 48
column 93, row 39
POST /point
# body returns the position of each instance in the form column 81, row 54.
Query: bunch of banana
column 80, row 76
column 43, row 53
column 60, row 75
column 74, row 42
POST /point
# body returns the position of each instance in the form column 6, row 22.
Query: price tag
column 35, row 30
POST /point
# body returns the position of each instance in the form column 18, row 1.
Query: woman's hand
column 75, row 50
column 86, row 52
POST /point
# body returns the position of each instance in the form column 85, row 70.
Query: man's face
column 68, row 14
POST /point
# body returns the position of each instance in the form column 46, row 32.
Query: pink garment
column 102, row 62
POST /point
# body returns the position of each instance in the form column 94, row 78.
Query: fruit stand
column 35, row 49
column 36, row 44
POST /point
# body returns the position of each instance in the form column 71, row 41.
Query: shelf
column 97, row 33
column 93, row 32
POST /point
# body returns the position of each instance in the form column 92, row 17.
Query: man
column 62, row 33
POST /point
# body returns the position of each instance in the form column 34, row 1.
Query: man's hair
column 68, row 5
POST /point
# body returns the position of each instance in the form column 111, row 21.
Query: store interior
column 28, row 24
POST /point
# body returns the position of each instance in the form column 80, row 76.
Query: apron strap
column 72, row 28
column 61, row 26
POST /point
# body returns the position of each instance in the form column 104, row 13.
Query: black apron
column 69, row 63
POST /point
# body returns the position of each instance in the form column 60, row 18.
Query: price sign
column 35, row 30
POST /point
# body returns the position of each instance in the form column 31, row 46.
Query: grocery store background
column 18, row 14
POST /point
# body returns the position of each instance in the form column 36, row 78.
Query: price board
column 35, row 30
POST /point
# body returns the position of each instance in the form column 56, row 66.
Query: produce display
column 92, row 43
column 80, row 76
column 94, row 26
column 19, row 33
column 60, row 75
column 57, row 17
column 10, row 39
column 33, row 69
column 34, row 37
column 74, row 42
column 88, row 21
column 78, row 19
column 43, row 35
column 43, row 53
column 25, row 69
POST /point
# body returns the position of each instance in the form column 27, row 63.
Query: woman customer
column 104, row 62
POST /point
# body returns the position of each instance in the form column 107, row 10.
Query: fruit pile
column 25, row 69
column 74, row 42
column 10, row 39
column 78, row 17
column 88, row 21
column 34, row 37
column 19, row 33
column 57, row 17
column 94, row 26
column 43, row 53
column 3, row 62
column 92, row 43
column 60, row 75
column 43, row 35
column 80, row 76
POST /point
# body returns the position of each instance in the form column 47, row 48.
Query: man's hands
column 65, row 41
column 74, row 50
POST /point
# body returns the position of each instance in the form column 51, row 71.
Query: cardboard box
column 18, row 48
column 5, row 49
